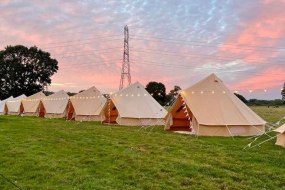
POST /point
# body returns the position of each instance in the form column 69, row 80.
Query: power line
column 171, row 66
column 76, row 44
column 219, row 58
column 200, row 44
column 190, row 30
column 88, row 50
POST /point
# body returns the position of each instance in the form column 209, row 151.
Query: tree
column 157, row 90
column 283, row 93
column 24, row 70
column 242, row 98
column 173, row 93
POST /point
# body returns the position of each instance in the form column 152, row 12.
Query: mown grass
column 40, row 153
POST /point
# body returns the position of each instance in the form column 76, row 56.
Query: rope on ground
column 10, row 181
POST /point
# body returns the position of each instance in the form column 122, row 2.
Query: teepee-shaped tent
column 3, row 111
column 56, row 105
column 87, row 106
column 134, row 106
column 14, row 106
column 280, row 136
column 209, row 108
column 32, row 104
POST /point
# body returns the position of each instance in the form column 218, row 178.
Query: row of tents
column 207, row 108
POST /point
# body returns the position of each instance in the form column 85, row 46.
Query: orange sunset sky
column 173, row 42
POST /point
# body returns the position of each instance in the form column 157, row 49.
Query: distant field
column 56, row 154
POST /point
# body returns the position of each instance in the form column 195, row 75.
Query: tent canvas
column 87, row 105
column 3, row 104
column 31, row 104
column 281, row 136
column 14, row 106
column 56, row 105
column 213, row 110
column 134, row 106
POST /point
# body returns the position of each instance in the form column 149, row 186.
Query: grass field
column 40, row 153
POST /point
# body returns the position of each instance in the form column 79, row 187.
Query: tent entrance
column 21, row 109
column 70, row 112
column 41, row 109
column 111, row 113
column 180, row 122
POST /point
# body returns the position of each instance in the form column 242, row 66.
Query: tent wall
column 89, row 117
column 55, row 115
column 15, row 111
column 281, row 140
column 206, row 130
column 139, row 122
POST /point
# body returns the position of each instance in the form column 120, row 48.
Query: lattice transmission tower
column 125, row 73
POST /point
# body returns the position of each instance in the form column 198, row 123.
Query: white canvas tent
column 3, row 105
column 14, row 106
column 87, row 106
column 280, row 136
column 134, row 106
column 31, row 104
column 211, row 109
column 56, row 105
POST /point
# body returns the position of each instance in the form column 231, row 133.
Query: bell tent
column 134, row 106
column 209, row 108
column 14, row 106
column 280, row 136
column 32, row 105
column 87, row 106
column 56, row 105
column 3, row 109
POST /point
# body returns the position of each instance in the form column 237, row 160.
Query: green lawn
column 40, row 153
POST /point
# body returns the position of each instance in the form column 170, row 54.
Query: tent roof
column 19, row 97
column 59, row 94
column 89, row 92
column 135, row 102
column 88, row 102
column 212, row 103
column 37, row 95
column 280, row 129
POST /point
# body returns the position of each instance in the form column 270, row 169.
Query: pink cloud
column 258, row 33
column 270, row 78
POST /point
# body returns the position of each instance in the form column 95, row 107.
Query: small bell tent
column 134, row 106
column 32, row 105
column 280, row 136
column 56, row 105
column 87, row 106
column 14, row 106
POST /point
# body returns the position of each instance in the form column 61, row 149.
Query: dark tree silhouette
column 157, row 90
column 24, row 70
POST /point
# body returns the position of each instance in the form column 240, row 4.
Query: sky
column 173, row 42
